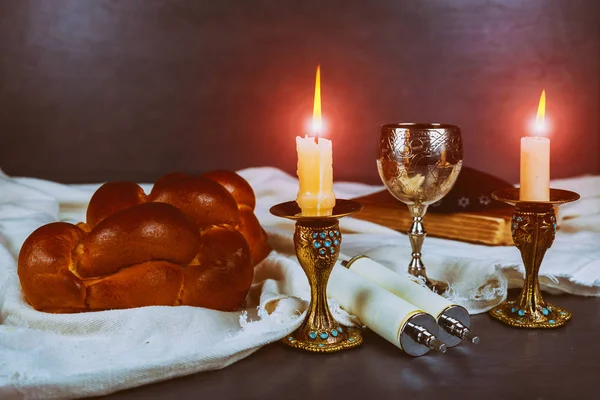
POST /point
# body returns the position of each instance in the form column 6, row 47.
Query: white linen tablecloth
column 66, row 356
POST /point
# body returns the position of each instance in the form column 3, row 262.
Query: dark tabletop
column 508, row 363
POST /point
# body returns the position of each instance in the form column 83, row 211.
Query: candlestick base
column 317, row 241
column 346, row 338
column 543, row 315
column 533, row 231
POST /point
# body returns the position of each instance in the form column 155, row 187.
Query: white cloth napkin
column 66, row 356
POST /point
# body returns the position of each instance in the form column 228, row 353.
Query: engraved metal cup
column 419, row 164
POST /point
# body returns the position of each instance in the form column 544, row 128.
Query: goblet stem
column 417, row 234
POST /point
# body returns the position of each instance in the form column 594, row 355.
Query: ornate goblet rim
column 557, row 196
column 419, row 125
column 291, row 210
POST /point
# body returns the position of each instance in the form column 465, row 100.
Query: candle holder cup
column 317, row 241
column 533, row 231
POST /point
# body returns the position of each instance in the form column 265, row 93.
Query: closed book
column 491, row 227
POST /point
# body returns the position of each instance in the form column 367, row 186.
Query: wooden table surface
column 508, row 363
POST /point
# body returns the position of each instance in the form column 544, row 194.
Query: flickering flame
column 317, row 122
column 541, row 109
column 540, row 119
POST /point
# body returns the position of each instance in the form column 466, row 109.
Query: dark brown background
column 99, row 90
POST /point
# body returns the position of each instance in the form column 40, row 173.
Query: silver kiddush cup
column 419, row 164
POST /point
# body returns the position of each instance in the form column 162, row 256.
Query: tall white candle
column 315, row 166
column 315, row 176
column 535, row 161
column 535, row 169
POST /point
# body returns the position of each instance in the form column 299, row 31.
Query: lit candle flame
column 540, row 119
column 317, row 122
column 541, row 113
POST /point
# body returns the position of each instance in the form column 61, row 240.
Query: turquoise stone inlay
column 521, row 313
column 331, row 234
column 545, row 311
column 312, row 335
column 519, row 219
column 323, row 235
column 551, row 321
column 336, row 242
column 322, row 252
column 324, row 335
column 334, row 333
column 563, row 313
column 317, row 244
column 513, row 310
column 290, row 338
column 337, row 233
column 514, row 226
column 321, row 345
column 332, row 250
column 328, row 243
column 340, row 329
column 351, row 339
column 314, row 235
column 497, row 311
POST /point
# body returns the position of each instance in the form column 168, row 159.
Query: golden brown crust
column 192, row 241
column 43, row 268
column 254, row 233
column 224, row 272
column 60, row 291
column 111, row 198
column 236, row 185
column 150, row 231
column 151, row 283
column 205, row 201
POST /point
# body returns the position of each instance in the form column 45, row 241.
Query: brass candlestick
column 533, row 230
column 317, row 241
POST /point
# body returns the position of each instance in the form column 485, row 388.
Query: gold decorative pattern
column 417, row 144
column 507, row 313
column 317, row 243
column 419, row 164
column 352, row 339
column 533, row 231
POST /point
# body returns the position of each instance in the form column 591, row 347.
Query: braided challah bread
column 191, row 241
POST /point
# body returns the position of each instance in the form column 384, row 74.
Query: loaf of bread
column 192, row 241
